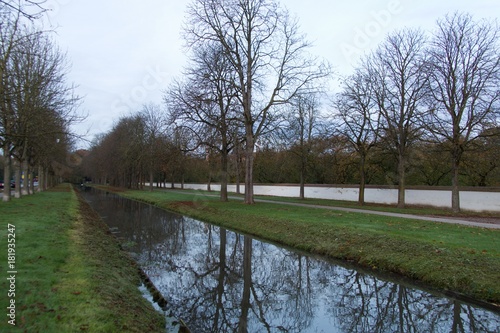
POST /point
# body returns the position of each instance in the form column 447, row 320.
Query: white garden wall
column 476, row 199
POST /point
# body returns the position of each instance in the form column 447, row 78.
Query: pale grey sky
column 124, row 53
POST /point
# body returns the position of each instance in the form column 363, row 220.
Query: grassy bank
column 461, row 259
column 71, row 275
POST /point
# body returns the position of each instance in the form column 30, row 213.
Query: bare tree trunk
column 302, row 180
column 17, row 179
column 23, row 169
column 6, row 173
column 27, row 178
column 31, row 183
column 46, row 177
column 209, row 183
column 32, row 186
column 41, row 179
column 362, row 180
column 302, row 162
column 249, row 167
column 401, row 181
column 455, row 192
column 151, row 178
column 238, row 172
column 224, row 173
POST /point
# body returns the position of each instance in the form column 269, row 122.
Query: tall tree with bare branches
column 205, row 103
column 266, row 52
column 358, row 119
column 155, row 127
column 30, row 9
column 36, row 104
column 464, row 78
column 302, row 127
column 397, row 72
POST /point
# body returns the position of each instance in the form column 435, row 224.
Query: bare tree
column 29, row 9
column 33, row 90
column 51, row 144
column 155, row 125
column 358, row 119
column 38, row 103
column 33, row 66
column 206, row 104
column 126, row 146
column 464, row 77
column 9, row 35
column 120, row 157
column 397, row 72
column 302, row 128
column 265, row 51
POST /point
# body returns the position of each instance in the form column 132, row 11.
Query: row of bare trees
column 36, row 103
column 333, row 160
column 248, row 59
column 251, row 83
column 140, row 148
column 444, row 90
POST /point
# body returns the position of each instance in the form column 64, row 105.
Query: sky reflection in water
column 220, row 281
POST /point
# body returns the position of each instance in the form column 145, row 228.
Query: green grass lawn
column 410, row 209
column 461, row 259
column 71, row 275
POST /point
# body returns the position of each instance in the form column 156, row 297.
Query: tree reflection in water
column 220, row 281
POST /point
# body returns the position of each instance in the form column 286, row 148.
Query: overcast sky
column 124, row 53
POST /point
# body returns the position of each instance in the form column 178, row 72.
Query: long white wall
column 469, row 199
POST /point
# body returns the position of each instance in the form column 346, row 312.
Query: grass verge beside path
column 460, row 259
column 71, row 275
column 409, row 209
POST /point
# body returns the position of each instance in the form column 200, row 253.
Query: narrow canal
column 221, row 281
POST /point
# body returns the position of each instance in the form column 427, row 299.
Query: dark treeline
column 421, row 109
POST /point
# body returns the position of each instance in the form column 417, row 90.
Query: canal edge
column 157, row 296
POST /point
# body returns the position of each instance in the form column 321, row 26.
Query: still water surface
column 221, row 281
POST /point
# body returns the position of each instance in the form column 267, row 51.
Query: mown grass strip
column 409, row 209
column 71, row 275
column 456, row 258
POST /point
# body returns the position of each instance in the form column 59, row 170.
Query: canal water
column 217, row 280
